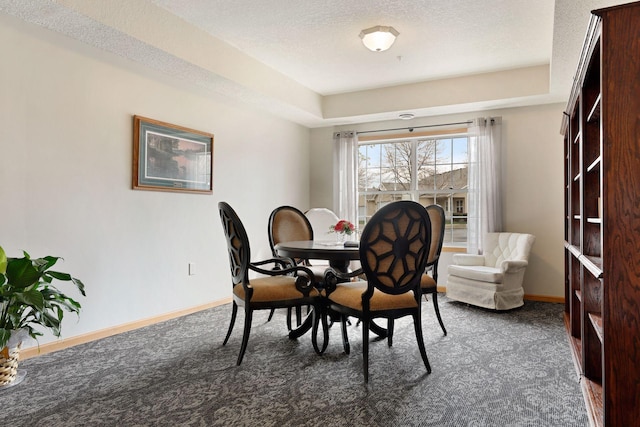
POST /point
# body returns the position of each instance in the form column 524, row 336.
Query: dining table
column 339, row 255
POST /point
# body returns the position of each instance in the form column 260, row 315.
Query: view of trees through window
column 428, row 171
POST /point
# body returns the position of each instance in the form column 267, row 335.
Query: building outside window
column 425, row 170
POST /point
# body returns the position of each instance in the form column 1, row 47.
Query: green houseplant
column 28, row 299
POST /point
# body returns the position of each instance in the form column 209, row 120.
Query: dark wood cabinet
column 601, row 131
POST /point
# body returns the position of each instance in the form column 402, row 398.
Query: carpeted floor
column 493, row 369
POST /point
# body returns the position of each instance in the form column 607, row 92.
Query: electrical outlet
column 192, row 269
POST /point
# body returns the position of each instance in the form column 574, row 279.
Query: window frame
column 416, row 194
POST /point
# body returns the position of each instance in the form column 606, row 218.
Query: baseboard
column 544, row 298
column 34, row 351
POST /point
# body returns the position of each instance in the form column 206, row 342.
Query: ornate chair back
column 237, row 243
column 437, row 218
column 321, row 219
column 394, row 247
column 287, row 224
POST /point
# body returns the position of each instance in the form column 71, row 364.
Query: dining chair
column 289, row 286
column 286, row 224
column 321, row 219
column 429, row 283
column 394, row 247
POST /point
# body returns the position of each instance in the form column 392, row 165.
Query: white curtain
column 345, row 181
column 485, row 171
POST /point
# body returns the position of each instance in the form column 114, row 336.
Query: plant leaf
column 49, row 261
column 60, row 276
column 80, row 286
column 3, row 261
column 21, row 273
column 33, row 298
column 4, row 337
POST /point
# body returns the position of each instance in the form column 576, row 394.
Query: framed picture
column 167, row 157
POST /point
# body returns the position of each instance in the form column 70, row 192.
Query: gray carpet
column 493, row 369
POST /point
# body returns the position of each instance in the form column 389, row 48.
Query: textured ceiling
column 316, row 44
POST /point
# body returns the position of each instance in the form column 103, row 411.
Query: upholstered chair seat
column 350, row 295
column 273, row 288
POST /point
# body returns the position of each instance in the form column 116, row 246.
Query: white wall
column 65, row 178
column 532, row 183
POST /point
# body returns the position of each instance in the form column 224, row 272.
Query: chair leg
column 298, row 315
column 390, row 324
column 417, row 324
column 273, row 310
column 289, row 319
column 245, row 336
column 365, row 349
column 345, row 338
column 437, row 309
column 234, row 311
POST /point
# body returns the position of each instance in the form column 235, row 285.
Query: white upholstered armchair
column 494, row 279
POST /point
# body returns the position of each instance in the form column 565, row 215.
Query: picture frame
column 168, row 157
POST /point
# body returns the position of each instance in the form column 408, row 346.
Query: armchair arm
column 468, row 259
column 512, row 266
column 280, row 263
column 333, row 276
column 304, row 282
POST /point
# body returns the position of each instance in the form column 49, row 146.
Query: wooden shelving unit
column 601, row 131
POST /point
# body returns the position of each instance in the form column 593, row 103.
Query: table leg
column 345, row 338
column 320, row 315
column 341, row 265
column 378, row 330
column 303, row 328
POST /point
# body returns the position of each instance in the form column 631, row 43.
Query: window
column 426, row 170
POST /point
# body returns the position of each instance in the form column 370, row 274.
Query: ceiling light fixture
column 406, row 116
column 378, row 38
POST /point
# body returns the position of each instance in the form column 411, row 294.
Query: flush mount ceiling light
column 406, row 116
column 378, row 38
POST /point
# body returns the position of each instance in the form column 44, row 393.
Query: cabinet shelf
column 596, row 322
column 593, row 264
column 594, row 113
column 595, row 164
column 575, row 251
column 602, row 257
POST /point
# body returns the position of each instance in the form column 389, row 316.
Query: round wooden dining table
column 338, row 254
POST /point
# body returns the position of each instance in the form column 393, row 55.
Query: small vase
column 9, row 365
column 341, row 237
column 10, row 375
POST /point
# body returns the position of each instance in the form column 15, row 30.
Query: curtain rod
column 411, row 128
